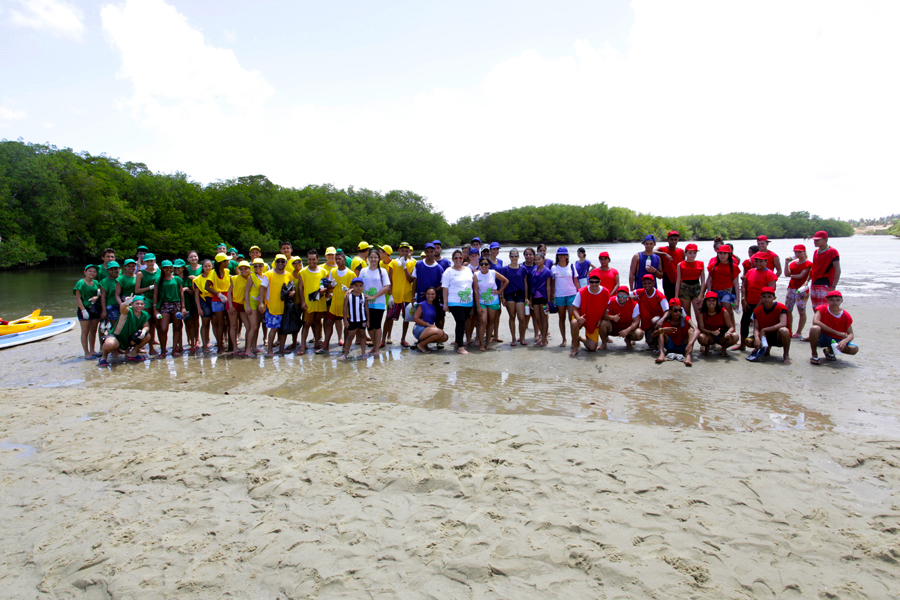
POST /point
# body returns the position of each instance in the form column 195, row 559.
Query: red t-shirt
column 770, row 318
column 747, row 264
column 840, row 323
column 677, row 256
column 734, row 259
column 823, row 266
column 723, row 275
column 756, row 281
column 771, row 258
column 627, row 312
column 679, row 336
column 607, row 278
column 651, row 306
column 714, row 321
column 690, row 271
column 796, row 268
column 592, row 306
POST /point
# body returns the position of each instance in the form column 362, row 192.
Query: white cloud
column 9, row 114
column 56, row 16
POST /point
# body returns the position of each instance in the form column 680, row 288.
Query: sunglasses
column 484, row 264
column 280, row 262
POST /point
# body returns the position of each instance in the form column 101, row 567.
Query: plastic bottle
column 527, row 310
column 834, row 347
column 649, row 262
column 737, row 307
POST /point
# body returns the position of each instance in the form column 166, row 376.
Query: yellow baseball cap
column 387, row 249
column 281, row 257
column 255, row 248
column 330, row 250
column 259, row 261
column 243, row 263
column 363, row 245
column 296, row 259
column 220, row 257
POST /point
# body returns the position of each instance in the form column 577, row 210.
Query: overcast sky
column 665, row 107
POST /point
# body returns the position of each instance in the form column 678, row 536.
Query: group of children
column 136, row 305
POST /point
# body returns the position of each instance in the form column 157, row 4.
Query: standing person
column 88, row 302
column 832, row 329
column 773, row 261
column 312, row 294
column 622, row 319
column 724, row 278
column 470, row 257
column 826, row 269
column 233, row 261
column 356, row 315
column 677, row 334
column 770, row 324
column 126, row 281
column 496, row 264
column 672, row 256
column 167, row 303
column 563, row 287
column 537, row 298
column 393, row 312
column 109, row 255
column 330, row 262
column 460, row 294
column 748, row 262
column 402, row 282
column 609, row 277
column 644, row 263
column 255, row 253
column 187, row 300
column 270, row 297
column 238, row 313
column 542, row 247
column 329, row 266
column 142, row 251
column 192, row 270
column 653, row 305
column 489, row 301
column 798, row 292
column 360, row 261
column 438, row 247
column 343, row 277
column 108, row 285
column 377, row 287
column 425, row 331
column 583, row 267
column 218, row 284
column 145, row 283
column 758, row 278
column 254, row 304
column 130, row 332
column 716, row 325
column 287, row 250
column 203, row 299
column 589, row 310
column 690, row 280
column 476, row 243
column 514, row 296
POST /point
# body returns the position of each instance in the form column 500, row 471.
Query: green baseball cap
column 179, row 263
column 149, row 256
column 166, row 263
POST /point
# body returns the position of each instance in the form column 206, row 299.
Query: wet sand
column 315, row 478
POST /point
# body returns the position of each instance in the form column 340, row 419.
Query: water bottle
column 179, row 315
column 527, row 310
column 737, row 307
column 649, row 262
column 834, row 347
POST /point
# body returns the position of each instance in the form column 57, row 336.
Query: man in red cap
column 609, row 278
column 677, row 334
column 832, row 329
column 773, row 261
column 623, row 318
column 826, row 269
column 757, row 278
column 672, row 255
column 798, row 292
column 653, row 305
column 770, row 327
column 590, row 305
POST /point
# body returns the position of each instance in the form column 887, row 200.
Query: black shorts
column 91, row 316
column 354, row 325
column 376, row 315
column 538, row 301
column 773, row 339
column 515, row 296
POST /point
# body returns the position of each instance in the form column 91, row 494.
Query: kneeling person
column 770, row 326
column 590, row 305
column 832, row 329
column 623, row 318
column 130, row 332
column 677, row 334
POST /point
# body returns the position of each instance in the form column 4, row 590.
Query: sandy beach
column 729, row 480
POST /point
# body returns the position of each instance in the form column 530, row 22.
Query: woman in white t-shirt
column 376, row 287
column 460, row 294
column 562, row 287
column 489, row 297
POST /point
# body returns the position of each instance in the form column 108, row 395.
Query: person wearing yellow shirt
column 392, row 311
column 402, row 291
column 203, row 299
column 255, row 253
column 238, row 314
column 312, row 300
column 218, row 284
column 254, row 305
column 361, row 260
column 343, row 280
column 270, row 296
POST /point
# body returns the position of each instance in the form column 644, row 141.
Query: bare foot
column 602, row 346
column 564, row 344
column 687, row 361
column 573, row 352
column 787, row 360
column 661, row 358
column 462, row 351
column 498, row 340
column 512, row 344
column 482, row 348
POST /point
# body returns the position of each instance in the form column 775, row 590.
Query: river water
column 617, row 385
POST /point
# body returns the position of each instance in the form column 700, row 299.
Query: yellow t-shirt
column 276, row 282
column 311, row 283
column 237, row 292
column 337, row 297
column 357, row 262
column 401, row 289
column 220, row 284
column 200, row 284
column 254, row 282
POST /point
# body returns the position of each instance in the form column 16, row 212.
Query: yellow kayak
column 32, row 321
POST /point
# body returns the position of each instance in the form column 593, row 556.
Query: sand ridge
column 150, row 495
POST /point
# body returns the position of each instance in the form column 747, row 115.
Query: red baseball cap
column 623, row 288
column 834, row 293
column 673, row 232
column 821, row 235
column 649, row 276
column 674, row 302
column 762, row 238
column 711, row 295
column 690, row 246
column 768, row 290
column 760, row 256
column 604, row 254
column 799, row 248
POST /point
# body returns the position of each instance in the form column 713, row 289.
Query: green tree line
column 61, row 205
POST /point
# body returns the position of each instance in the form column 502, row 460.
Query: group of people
column 138, row 304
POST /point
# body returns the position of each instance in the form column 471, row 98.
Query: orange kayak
column 32, row 321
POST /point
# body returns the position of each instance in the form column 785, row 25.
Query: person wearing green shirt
column 109, row 306
column 87, row 299
column 145, row 283
column 109, row 255
column 168, row 298
column 192, row 270
column 126, row 281
column 131, row 332
column 233, row 261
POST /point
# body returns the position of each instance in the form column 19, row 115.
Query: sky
column 671, row 108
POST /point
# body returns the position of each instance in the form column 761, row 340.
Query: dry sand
column 119, row 494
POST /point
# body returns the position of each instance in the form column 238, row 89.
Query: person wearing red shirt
column 826, row 269
column 758, row 278
column 831, row 325
column 689, row 280
column 747, row 265
column 653, row 305
column 609, row 278
column 724, row 277
column 677, row 334
column 798, row 292
column 716, row 325
column 623, row 318
column 770, row 324
column 671, row 255
column 773, row 261
column 590, row 305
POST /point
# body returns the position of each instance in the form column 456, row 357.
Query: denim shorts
column 218, row 306
column 518, row 296
column 112, row 313
column 417, row 331
column 206, row 307
column 825, row 341
column 564, row 301
column 675, row 348
column 726, row 296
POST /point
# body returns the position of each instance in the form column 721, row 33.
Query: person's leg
column 92, row 336
column 163, row 326
column 784, row 334
column 110, row 344
column 85, row 331
column 329, row 329
column 218, row 322
column 252, row 333
column 361, row 334
column 151, row 339
column 348, row 342
column 339, row 325
column 177, row 340
column 801, row 310
column 481, row 324
column 376, row 316
column 523, row 326
column 459, row 314
column 537, row 313
column 635, row 336
column 307, row 322
column 563, row 322
column 662, row 348
column 495, row 331
column 317, row 328
column 746, row 320
column 493, row 317
column 388, row 328
column 575, row 330
column 690, row 347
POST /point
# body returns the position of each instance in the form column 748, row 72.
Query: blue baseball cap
column 357, row 280
column 437, row 243
column 429, row 245
column 473, row 250
column 562, row 250
column 476, row 239
column 649, row 238
column 495, row 245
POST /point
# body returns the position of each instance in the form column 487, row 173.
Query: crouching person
column 623, row 318
column 131, row 332
column 676, row 335
column 770, row 327
column 590, row 305
column 832, row 329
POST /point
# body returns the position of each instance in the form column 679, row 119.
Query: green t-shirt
column 132, row 323
column 87, row 291
column 148, row 279
column 109, row 285
column 127, row 284
column 169, row 290
column 232, row 266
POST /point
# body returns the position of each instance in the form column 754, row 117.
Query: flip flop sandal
column 815, row 361
column 103, row 363
column 138, row 358
column 404, row 344
column 320, row 351
column 830, row 357
column 756, row 354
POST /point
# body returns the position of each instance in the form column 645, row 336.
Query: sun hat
column 222, row 245
column 429, row 245
column 674, row 302
column 821, row 235
column 405, row 245
column 149, row 256
column 230, row 250
column 86, row 267
column 139, row 298
column 595, row 274
column 179, row 263
column 143, row 249
column 166, row 263
column 649, row 276
column 437, row 243
column 760, row 256
column 330, row 250
column 279, row 257
column 295, row 259
column 476, row 239
column 473, row 250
